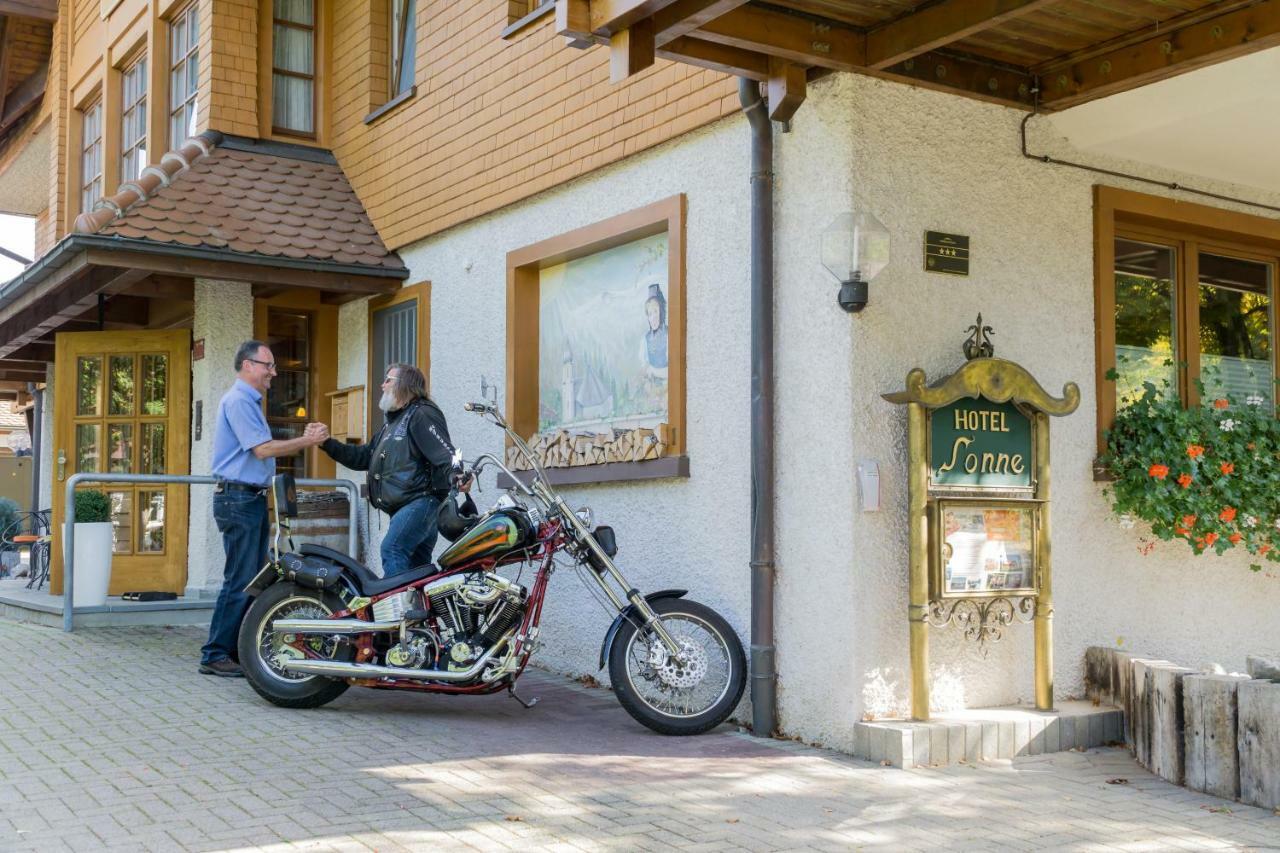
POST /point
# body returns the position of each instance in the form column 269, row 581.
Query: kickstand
column 511, row 688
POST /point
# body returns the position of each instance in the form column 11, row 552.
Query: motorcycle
column 321, row 622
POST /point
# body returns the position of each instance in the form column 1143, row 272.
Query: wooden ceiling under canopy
column 1046, row 54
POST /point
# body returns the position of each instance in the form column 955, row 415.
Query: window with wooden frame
column 133, row 120
column 403, row 39
column 522, row 13
column 1185, row 295
column 184, row 74
column 399, row 332
column 90, row 156
column 293, row 67
column 596, row 347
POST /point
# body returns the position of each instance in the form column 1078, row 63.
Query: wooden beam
column 6, row 50
column 25, row 97
column 941, row 24
column 685, row 16
column 718, row 57
column 791, row 37
column 965, row 76
column 610, row 16
column 1167, row 54
column 631, row 50
column 573, row 20
column 786, row 88
column 60, row 308
column 34, row 352
column 42, row 10
column 163, row 287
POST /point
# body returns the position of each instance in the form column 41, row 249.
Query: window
column 398, row 329
column 1183, row 301
column 90, row 156
column 289, row 404
column 293, row 71
column 403, row 40
column 133, row 121
column 184, row 73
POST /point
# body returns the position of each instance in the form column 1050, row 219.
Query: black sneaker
column 225, row 668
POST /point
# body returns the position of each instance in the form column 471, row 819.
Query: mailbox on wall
column 978, row 483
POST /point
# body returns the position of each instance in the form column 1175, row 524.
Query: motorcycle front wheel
column 685, row 694
column 261, row 648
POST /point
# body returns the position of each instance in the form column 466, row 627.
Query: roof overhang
column 1023, row 53
column 68, row 280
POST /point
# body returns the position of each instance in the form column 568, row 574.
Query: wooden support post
column 1044, row 598
column 631, row 50
column 786, row 89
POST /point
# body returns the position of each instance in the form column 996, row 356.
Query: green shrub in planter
column 9, row 511
column 92, row 506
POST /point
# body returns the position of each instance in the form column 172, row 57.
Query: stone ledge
column 985, row 734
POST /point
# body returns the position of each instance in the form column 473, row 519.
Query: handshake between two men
column 316, row 433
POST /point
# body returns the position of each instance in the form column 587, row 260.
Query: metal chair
column 31, row 530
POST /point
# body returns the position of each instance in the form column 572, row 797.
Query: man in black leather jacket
column 409, row 461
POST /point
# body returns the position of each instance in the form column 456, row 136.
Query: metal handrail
column 69, row 553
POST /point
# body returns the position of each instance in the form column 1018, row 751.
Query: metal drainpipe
column 764, row 678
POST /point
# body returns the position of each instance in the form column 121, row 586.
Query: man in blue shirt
column 244, row 461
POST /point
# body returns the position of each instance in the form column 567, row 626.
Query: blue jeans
column 411, row 536
column 242, row 520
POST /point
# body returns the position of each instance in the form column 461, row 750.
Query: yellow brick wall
column 229, row 61
column 495, row 121
column 52, row 224
column 83, row 14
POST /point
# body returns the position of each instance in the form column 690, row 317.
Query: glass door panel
column 1236, row 357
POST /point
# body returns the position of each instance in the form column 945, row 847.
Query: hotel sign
column 978, row 444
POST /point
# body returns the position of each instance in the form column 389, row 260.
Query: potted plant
column 93, row 548
column 1208, row 475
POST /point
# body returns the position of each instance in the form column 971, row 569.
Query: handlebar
column 478, row 408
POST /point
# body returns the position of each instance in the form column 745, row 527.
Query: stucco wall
column 224, row 320
column 920, row 161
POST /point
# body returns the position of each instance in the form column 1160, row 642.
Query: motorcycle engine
column 472, row 613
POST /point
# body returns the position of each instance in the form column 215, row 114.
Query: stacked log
column 564, row 449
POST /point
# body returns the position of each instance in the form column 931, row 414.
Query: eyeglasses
column 269, row 365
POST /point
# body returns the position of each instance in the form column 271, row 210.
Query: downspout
column 764, row 678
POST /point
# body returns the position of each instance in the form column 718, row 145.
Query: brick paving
column 110, row 739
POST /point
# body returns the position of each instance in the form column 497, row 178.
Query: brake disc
column 679, row 672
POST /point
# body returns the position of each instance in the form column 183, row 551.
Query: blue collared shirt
column 240, row 428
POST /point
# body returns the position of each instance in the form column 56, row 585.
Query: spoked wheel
column 262, row 649
column 684, row 694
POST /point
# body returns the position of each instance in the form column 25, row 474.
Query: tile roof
column 256, row 198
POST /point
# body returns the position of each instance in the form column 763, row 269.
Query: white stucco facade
column 919, row 161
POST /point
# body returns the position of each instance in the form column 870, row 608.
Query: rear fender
column 629, row 612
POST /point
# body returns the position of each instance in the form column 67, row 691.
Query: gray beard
column 388, row 402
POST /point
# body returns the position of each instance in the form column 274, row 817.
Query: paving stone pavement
column 110, row 739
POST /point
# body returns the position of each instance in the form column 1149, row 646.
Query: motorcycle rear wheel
column 287, row 600
column 679, row 697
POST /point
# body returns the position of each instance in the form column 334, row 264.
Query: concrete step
column 984, row 734
column 40, row 608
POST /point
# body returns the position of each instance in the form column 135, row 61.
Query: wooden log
column 1141, row 708
column 1168, row 722
column 1258, row 739
column 1212, row 762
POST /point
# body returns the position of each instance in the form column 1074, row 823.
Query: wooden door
column 122, row 404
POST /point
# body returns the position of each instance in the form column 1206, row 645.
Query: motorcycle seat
column 370, row 584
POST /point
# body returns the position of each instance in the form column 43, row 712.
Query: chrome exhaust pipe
column 341, row 669
column 330, row 626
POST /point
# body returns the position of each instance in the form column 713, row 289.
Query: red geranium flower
column 1182, row 531
column 1184, row 480
column 1228, row 467
column 1188, row 520
column 1194, row 450
column 1228, row 513
column 1210, row 538
column 1158, row 471
column 1235, row 538
column 1220, row 403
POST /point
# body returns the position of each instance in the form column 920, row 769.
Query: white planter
column 93, row 563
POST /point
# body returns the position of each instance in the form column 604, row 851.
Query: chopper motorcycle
column 321, row 622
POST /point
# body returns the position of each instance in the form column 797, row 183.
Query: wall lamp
column 855, row 247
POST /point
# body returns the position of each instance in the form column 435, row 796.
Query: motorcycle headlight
column 586, row 517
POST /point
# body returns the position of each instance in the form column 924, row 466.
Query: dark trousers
column 242, row 520
column 411, row 536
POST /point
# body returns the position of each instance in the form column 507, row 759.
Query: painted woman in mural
column 655, row 337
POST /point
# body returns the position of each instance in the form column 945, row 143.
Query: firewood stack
column 563, row 449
